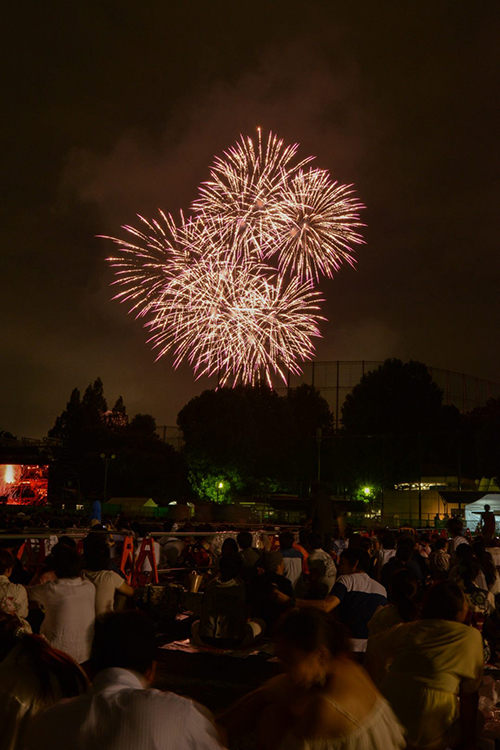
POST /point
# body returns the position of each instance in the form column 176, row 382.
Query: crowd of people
column 382, row 640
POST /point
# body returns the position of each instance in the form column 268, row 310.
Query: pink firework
column 233, row 320
column 231, row 289
column 243, row 187
column 316, row 222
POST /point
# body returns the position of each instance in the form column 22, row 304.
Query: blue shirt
column 359, row 597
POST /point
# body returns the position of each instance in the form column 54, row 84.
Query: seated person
column 439, row 560
column 107, row 582
column 19, row 574
column 224, row 622
column 33, row 676
column 402, row 595
column 69, row 605
column 13, row 596
column 248, row 554
column 292, row 558
column 120, row 711
column 430, row 671
column 270, row 579
column 355, row 596
column 323, row 701
column 322, row 569
column 171, row 546
column 303, row 547
column 403, row 560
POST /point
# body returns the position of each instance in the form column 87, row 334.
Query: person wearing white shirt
column 387, row 550
column 495, row 554
column 69, row 605
column 13, row 597
column 120, row 712
column 321, row 567
column 107, row 582
column 292, row 559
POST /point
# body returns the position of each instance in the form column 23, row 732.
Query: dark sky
column 113, row 108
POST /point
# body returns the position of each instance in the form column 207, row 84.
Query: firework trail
column 231, row 289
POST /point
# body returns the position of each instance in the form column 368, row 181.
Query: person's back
column 33, row 676
column 403, row 590
column 69, row 604
column 264, row 603
column 322, row 569
column 423, row 665
column 107, row 582
column 249, row 555
column 292, row 558
column 13, row 597
column 440, row 561
column 119, row 712
column 494, row 551
column 323, row 701
column 358, row 596
column 223, row 613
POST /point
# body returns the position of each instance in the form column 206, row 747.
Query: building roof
column 134, row 502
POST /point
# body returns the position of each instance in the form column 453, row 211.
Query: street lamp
column 220, row 485
column 106, row 460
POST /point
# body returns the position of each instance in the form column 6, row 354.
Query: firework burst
column 236, row 321
column 316, row 221
column 231, row 289
column 243, row 187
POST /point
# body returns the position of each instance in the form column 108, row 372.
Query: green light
column 221, row 485
column 367, row 490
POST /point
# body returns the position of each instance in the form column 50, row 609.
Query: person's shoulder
column 293, row 553
column 346, row 579
column 162, row 700
column 41, row 589
column 84, row 582
column 17, row 587
column 324, row 717
column 105, row 575
column 469, row 634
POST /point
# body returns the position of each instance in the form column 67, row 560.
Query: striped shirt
column 360, row 596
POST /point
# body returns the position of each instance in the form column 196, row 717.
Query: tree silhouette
column 254, row 438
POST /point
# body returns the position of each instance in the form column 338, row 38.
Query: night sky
column 116, row 108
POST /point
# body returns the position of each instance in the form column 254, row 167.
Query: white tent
column 473, row 510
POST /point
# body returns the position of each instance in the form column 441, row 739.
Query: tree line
column 250, row 441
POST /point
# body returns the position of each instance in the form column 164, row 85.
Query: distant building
column 433, row 497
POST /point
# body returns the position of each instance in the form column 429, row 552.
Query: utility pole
column 319, row 434
column 420, row 478
column 106, row 460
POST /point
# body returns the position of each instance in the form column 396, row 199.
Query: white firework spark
column 233, row 320
column 315, row 221
column 243, row 185
column 206, row 284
